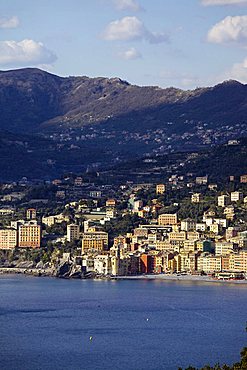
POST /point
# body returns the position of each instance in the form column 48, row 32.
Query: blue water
column 46, row 323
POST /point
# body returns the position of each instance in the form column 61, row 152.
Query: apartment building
column 223, row 200
column 29, row 235
column 110, row 203
column 168, row 219
column 160, row 189
column 31, row 214
column 94, row 241
column 209, row 263
column 8, row 238
column 223, row 248
column 73, row 232
column 237, row 196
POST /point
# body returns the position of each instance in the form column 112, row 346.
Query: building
column 60, row 194
column 110, row 203
column 6, row 211
column 56, row 219
column 95, row 194
column 8, row 238
column 238, row 261
column 78, row 181
column 146, row 264
column 203, row 180
column 196, row 198
column 231, row 232
column 179, row 236
column 223, row 248
column 212, row 186
column 137, row 205
column 237, row 196
column 243, row 179
column 29, row 235
column 31, row 214
column 110, row 213
column 94, row 241
column 160, row 189
column 73, row 232
column 188, row 225
column 209, row 263
column 223, row 200
column 168, row 219
column 102, row 264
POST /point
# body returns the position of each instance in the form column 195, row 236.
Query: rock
column 76, row 272
column 63, row 270
column 25, row 265
column 89, row 275
column 40, row 265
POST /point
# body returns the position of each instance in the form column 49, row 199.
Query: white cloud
column 25, row 52
column 230, row 29
column 223, row 2
column 12, row 22
column 130, row 54
column 237, row 72
column 131, row 28
column 127, row 5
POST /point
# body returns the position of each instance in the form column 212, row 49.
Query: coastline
column 167, row 277
column 182, row 278
column 26, row 271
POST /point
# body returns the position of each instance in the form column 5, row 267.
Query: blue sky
column 182, row 43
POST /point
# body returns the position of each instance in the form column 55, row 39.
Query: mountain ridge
column 60, row 124
column 32, row 99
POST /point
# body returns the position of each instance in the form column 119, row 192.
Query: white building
column 223, row 200
column 237, row 196
column 73, row 232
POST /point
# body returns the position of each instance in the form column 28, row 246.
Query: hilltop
column 60, row 124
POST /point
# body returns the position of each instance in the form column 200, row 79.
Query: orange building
column 29, row 236
column 146, row 264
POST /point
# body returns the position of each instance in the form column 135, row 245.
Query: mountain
column 70, row 123
column 32, row 99
column 218, row 163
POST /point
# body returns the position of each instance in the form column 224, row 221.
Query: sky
column 180, row 43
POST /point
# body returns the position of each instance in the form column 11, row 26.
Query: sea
column 56, row 324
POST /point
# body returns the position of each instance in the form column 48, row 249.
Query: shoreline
column 158, row 277
column 183, row 278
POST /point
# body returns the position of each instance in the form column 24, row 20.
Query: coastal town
column 72, row 227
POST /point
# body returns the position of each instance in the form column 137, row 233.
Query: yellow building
column 223, row 248
column 160, row 189
column 29, row 236
column 94, row 241
column 174, row 262
column 168, row 219
column 8, row 238
column 209, row 263
column 190, row 245
column 177, row 236
column 238, row 261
